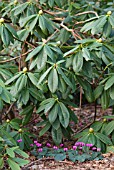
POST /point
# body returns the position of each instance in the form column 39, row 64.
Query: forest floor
column 85, row 117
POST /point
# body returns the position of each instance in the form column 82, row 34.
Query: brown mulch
column 85, row 116
column 49, row 164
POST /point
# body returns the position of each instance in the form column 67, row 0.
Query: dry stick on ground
column 35, row 162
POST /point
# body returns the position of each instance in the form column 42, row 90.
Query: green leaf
column 109, row 128
column 12, row 30
column 44, row 75
column 21, row 82
column 22, row 153
column 49, row 105
column 98, row 24
column 12, row 79
column 107, row 29
column 112, row 92
column 86, row 54
column 10, row 152
column 25, row 96
column 41, row 61
column 64, row 77
column 51, row 3
column 32, row 78
column 5, row 35
column 27, row 118
column 23, row 34
column 1, row 162
column 111, row 20
column 98, row 91
column 96, row 126
column 34, row 52
column 105, row 99
column 20, row 8
column 109, row 83
column 64, row 115
column 60, row 157
column 5, row 133
column 45, row 129
column 42, row 24
column 71, row 51
column 78, row 62
column 13, row 165
column 53, row 113
column 57, row 135
column 48, row 51
column 103, row 138
column 1, row 104
column 26, row 110
column 21, row 161
column 92, row 139
column 89, row 94
column 53, row 80
column 73, row 116
column 56, row 124
column 5, row 96
column 63, row 36
column 33, row 23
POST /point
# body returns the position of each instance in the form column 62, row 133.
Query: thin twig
column 85, row 127
column 81, row 22
column 33, row 46
column 8, row 110
column 21, row 57
column 49, row 38
column 87, row 12
column 35, row 162
column 66, row 28
column 71, row 30
column 5, row 61
column 80, row 98
column 95, row 104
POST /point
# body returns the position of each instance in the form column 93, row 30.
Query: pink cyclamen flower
column 61, row 145
column 19, row 140
column 31, row 145
column 65, row 149
column 35, row 141
column 74, row 147
column 89, row 144
column 48, row 144
column 98, row 149
column 94, row 148
column 38, row 144
column 55, row 147
column 80, row 147
column 80, row 144
column 40, row 150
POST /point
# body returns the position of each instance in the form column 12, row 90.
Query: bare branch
column 87, row 12
column 81, row 22
column 15, row 57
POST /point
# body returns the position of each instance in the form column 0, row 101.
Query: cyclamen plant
column 79, row 152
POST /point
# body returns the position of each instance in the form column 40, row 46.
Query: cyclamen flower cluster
column 77, row 145
column 90, row 145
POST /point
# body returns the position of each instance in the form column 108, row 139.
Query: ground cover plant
column 54, row 56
